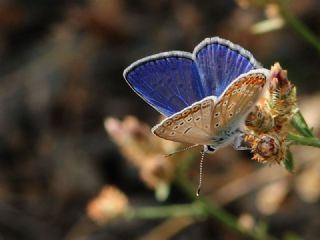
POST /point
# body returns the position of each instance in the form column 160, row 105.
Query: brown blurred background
column 61, row 66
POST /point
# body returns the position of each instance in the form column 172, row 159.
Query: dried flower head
column 267, row 148
column 260, row 119
column 108, row 205
column 283, row 100
column 280, row 79
column 269, row 123
column 132, row 137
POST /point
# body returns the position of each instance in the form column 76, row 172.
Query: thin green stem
column 301, row 140
column 298, row 26
column 178, row 210
column 214, row 211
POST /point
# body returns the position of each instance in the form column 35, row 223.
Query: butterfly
column 205, row 95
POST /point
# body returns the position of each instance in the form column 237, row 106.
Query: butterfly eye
column 217, row 125
column 230, row 115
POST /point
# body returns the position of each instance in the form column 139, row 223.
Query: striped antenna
column 181, row 150
column 200, row 173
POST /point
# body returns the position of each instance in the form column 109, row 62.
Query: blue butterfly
column 205, row 95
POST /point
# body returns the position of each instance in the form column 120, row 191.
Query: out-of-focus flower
column 246, row 221
column 267, row 25
column 143, row 149
column 108, row 205
column 271, row 197
column 268, row 125
column 307, row 183
column 273, row 22
column 132, row 137
column 157, row 169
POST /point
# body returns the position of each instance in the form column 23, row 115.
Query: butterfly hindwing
column 238, row 99
column 219, row 62
column 167, row 81
column 215, row 122
column 192, row 125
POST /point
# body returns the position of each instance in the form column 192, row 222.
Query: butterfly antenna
column 200, row 173
column 181, row 150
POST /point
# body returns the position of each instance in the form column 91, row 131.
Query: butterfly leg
column 239, row 143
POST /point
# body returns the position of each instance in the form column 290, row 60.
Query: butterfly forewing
column 192, row 125
column 168, row 81
column 237, row 100
column 219, row 62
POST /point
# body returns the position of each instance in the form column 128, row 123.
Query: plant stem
column 301, row 140
column 298, row 26
column 211, row 209
column 178, row 210
column 214, row 211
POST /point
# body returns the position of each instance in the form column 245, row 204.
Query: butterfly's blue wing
column 219, row 62
column 167, row 81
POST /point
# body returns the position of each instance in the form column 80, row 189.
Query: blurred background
column 61, row 88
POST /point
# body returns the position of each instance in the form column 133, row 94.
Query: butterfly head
column 209, row 149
